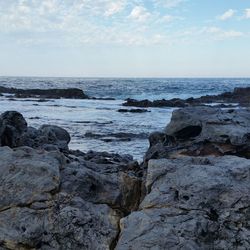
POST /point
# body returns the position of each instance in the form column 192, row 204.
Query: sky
column 125, row 38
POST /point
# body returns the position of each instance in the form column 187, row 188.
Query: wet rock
column 239, row 96
column 71, row 93
column 133, row 110
column 116, row 136
column 12, row 126
column 55, row 135
column 191, row 203
column 157, row 103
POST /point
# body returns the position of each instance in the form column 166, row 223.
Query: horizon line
column 129, row 77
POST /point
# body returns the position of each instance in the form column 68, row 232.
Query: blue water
column 101, row 117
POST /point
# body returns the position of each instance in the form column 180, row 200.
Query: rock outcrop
column 196, row 184
column 202, row 131
column 61, row 200
column 240, row 96
column 191, row 192
column 70, row 93
column 192, row 203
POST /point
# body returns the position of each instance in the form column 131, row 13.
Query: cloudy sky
column 125, row 38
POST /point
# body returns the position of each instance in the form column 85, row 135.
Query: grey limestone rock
column 192, row 203
column 52, row 201
column 201, row 131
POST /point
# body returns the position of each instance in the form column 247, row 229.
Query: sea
column 96, row 124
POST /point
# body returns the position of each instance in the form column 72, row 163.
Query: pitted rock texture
column 52, row 201
column 192, row 203
column 201, row 131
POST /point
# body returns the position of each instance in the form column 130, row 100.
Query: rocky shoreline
column 190, row 192
column 240, row 96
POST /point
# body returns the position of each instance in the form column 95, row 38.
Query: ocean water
column 100, row 117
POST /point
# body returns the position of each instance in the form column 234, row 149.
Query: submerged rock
column 133, row 110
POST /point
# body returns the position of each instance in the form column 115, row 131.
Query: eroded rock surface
column 61, row 200
column 192, row 203
column 201, row 131
column 50, row 201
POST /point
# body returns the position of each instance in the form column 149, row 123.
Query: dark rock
column 15, row 133
column 116, row 136
column 133, row 110
column 239, row 96
column 157, row 103
column 12, row 126
column 71, row 93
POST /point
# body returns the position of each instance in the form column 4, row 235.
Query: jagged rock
column 15, row 133
column 192, row 203
column 239, row 96
column 67, row 223
column 176, row 102
column 111, row 183
column 49, row 200
column 27, row 176
column 201, row 131
column 12, row 126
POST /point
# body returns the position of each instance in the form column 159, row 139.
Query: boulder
column 55, row 135
column 191, row 203
column 201, row 131
column 12, row 126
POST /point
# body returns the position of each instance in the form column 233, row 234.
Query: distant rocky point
column 69, row 93
column 239, row 96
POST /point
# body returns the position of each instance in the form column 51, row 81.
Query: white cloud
column 114, row 8
column 220, row 34
column 169, row 3
column 227, row 15
column 170, row 18
column 139, row 13
column 247, row 13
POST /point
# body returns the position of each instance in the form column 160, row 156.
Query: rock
column 14, row 132
column 176, row 102
column 201, row 131
column 27, row 176
column 239, row 96
column 55, row 201
column 191, row 203
column 71, row 93
column 120, row 136
column 108, row 183
column 55, row 135
column 12, row 125
column 133, row 110
column 75, row 224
